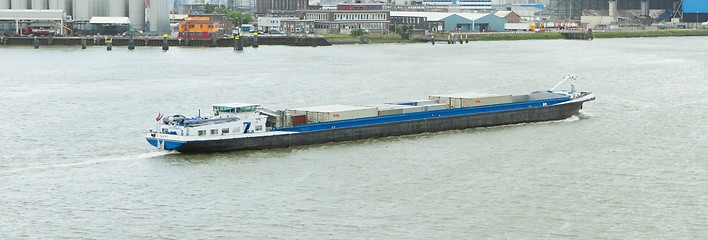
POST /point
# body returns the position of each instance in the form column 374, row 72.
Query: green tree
column 221, row 10
column 357, row 32
column 237, row 17
column 209, row 9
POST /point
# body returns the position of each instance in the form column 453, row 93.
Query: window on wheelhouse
column 202, row 132
column 236, row 109
column 225, row 130
column 214, row 131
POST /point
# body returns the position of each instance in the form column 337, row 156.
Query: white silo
column 39, row 4
column 160, row 16
column 60, row 5
column 81, row 9
column 136, row 13
column 96, row 8
column 4, row 4
column 19, row 4
column 116, row 8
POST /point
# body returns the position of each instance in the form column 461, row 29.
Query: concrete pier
column 131, row 43
column 165, row 45
column 160, row 42
column 255, row 40
column 238, row 42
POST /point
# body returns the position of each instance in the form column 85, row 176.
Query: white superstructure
column 228, row 121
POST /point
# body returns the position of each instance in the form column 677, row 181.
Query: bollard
column 95, row 41
column 255, row 40
column 165, row 47
column 146, row 42
column 238, row 42
column 36, row 43
column 213, row 42
column 83, row 43
column 186, row 41
column 109, row 44
column 131, row 43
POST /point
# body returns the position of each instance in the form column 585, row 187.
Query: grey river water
column 74, row 162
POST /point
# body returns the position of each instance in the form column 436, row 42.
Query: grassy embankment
column 348, row 39
column 368, row 38
column 653, row 33
column 613, row 34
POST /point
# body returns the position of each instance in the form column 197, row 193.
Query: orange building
column 198, row 27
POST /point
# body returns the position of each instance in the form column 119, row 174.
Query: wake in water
column 87, row 162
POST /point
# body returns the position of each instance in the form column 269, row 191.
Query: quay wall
column 152, row 41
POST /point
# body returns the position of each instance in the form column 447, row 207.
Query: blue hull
column 169, row 145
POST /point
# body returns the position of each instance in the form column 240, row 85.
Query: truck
column 519, row 26
column 38, row 32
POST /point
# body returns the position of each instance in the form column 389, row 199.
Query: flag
column 159, row 116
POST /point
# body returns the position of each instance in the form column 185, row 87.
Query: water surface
column 74, row 162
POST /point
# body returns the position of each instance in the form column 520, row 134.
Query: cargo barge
column 242, row 126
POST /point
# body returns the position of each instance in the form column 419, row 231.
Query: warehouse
column 457, row 22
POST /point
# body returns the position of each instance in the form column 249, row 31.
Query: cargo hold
column 470, row 99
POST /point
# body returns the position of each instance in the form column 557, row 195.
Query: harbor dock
column 158, row 41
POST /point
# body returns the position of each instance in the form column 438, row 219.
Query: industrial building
column 510, row 16
column 280, row 6
column 484, row 6
column 455, row 22
column 149, row 16
column 338, row 22
column 573, row 9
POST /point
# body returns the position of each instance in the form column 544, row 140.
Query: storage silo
column 19, row 4
column 116, row 8
column 97, row 8
column 39, row 4
column 81, row 9
column 60, row 5
column 4, row 4
column 136, row 13
column 160, row 16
